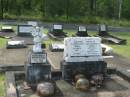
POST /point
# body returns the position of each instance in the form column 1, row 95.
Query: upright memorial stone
column 25, row 30
column 82, row 31
column 56, row 32
column 108, row 38
column 38, row 71
column 103, row 30
column 83, row 56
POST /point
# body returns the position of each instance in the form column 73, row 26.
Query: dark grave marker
column 107, row 38
column 25, row 30
column 82, row 31
column 103, row 30
column 56, row 32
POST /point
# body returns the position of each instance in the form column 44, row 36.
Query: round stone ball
column 82, row 84
column 45, row 89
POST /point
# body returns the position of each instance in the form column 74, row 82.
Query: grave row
column 57, row 32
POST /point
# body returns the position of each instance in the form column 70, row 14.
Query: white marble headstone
column 25, row 29
column 82, row 28
column 80, row 49
column 58, row 27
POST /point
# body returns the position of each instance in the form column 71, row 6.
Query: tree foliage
column 65, row 8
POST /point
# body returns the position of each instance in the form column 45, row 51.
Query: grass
column 2, row 87
column 122, row 49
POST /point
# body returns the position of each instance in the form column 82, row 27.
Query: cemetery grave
column 24, row 33
column 15, row 44
column 57, row 33
column 82, row 31
column 107, row 38
column 7, row 29
column 7, row 32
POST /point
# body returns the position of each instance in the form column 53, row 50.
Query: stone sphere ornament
column 45, row 89
column 82, row 84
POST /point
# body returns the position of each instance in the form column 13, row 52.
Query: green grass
column 123, row 50
column 2, row 87
column 2, row 42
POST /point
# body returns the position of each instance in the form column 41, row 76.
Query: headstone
column 56, row 32
column 25, row 30
column 81, row 49
column 37, row 40
column 103, row 30
column 82, row 31
column 38, row 69
column 57, row 27
column 82, row 55
column 82, row 28
column 37, row 55
column 103, row 27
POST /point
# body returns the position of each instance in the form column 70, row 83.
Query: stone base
column 36, row 73
column 70, row 69
column 82, row 34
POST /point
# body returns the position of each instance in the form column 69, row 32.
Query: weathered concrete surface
column 10, row 57
column 55, row 58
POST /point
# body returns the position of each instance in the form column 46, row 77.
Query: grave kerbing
column 108, row 38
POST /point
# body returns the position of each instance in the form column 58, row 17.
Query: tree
column 2, row 9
